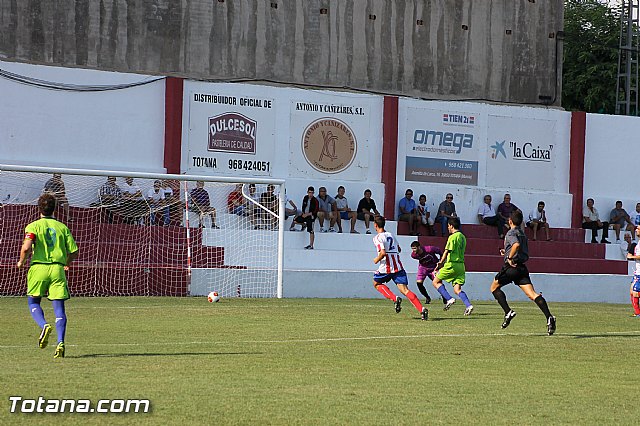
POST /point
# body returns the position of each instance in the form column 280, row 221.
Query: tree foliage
column 590, row 64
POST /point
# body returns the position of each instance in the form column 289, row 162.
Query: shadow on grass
column 125, row 355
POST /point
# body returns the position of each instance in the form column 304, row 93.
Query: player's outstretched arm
column 25, row 252
column 379, row 257
column 443, row 259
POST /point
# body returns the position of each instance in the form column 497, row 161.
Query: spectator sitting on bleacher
column 488, row 216
column 425, row 215
column 344, row 211
column 55, row 187
column 110, row 197
column 169, row 200
column 538, row 219
column 251, row 208
column 620, row 219
column 506, row 208
column 591, row 220
column 626, row 244
column 367, row 209
column 269, row 200
column 326, row 208
column 201, row 204
column 290, row 211
column 446, row 210
column 155, row 198
column 134, row 206
column 235, row 202
column 409, row 212
column 635, row 215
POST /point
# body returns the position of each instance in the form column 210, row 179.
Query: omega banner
column 520, row 153
column 329, row 137
column 229, row 133
column 442, row 146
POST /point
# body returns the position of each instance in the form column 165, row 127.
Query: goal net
column 142, row 234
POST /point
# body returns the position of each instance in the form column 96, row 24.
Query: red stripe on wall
column 389, row 154
column 174, row 88
column 576, row 165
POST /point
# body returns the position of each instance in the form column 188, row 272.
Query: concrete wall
column 109, row 130
column 609, row 162
column 498, row 50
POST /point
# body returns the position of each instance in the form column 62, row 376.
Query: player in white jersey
column 635, row 283
column 391, row 269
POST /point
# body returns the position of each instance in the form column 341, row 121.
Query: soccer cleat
column 427, row 301
column 368, row 232
column 59, row 353
column 551, row 325
column 43, row 340
column 425, row 314
column 468, row 311
column 449, row 304
column 507, row 319
column 398, row 304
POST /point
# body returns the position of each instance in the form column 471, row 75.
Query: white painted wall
column 110, row 130
column 468, row 197
column 611, row 147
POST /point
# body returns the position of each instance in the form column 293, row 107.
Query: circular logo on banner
column 329, row 145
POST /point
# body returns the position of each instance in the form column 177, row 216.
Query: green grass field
column 317, row 361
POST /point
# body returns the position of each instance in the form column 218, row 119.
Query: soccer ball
column 213, row 297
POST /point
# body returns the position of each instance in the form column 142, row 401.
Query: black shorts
column 307, row 221
column 518, row 275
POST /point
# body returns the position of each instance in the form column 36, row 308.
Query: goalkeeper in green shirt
column 52, row 249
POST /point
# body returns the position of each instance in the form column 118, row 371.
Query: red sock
column 636, row 305
column 414, row 299
column 386, row 292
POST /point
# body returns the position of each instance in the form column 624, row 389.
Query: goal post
column 149, row 233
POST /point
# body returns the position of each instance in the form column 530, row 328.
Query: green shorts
column 452, row 273
column 47, row 280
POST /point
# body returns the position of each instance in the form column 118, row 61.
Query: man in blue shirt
column 409, row 213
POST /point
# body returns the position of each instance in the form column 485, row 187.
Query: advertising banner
column 230, row 134
column 330, row 137
column 442, row 146
column 520, row 153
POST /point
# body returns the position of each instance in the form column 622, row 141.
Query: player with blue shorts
column 390, row 268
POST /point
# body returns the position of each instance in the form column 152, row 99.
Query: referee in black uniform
column 516, row 253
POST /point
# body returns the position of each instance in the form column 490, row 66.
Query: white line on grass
column 341, row 339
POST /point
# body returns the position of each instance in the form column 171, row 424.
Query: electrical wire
column 50, row 85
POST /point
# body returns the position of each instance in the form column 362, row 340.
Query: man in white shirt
column 134, row 206
column 488, row 216
column 538, row 219
column 155, row 198
column 591, row 220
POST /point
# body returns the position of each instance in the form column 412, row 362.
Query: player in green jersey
column 52, row 249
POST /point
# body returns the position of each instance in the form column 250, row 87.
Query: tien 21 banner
column 442, row 146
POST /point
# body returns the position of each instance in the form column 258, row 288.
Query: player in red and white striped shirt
column 391, row 269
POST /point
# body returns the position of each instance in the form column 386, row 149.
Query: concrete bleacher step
column 491, row 246
column 481, row 263
column 484, row 231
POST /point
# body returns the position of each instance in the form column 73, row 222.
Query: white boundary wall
column 611, row 147
column 117, row 130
